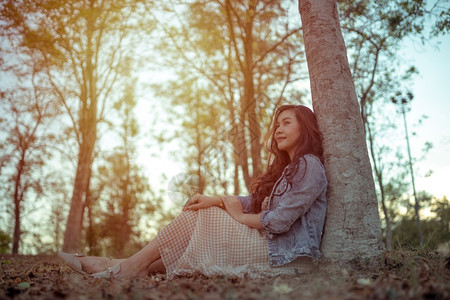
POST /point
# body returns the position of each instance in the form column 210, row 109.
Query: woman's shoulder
column 310, row 159
column 313, row 159
column 309, row 163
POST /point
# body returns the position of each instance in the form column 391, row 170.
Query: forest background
column 183, row 95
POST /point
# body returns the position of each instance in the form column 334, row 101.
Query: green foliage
column 436, row 228
column 5, row 242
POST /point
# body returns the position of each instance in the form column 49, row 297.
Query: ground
column 400, row 275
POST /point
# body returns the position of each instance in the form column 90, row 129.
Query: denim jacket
column 296, row 215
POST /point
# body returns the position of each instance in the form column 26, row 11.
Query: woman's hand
column 198, row 201
column 233, row 207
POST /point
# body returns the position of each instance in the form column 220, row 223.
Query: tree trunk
column 352, row 227
column 241, row 150
column 237, row 190
column 88, row 131
column 72, row 235
column 17, row 200
column 17, row 231
column 87, row 208
column 387, row 218
column 247, row 102
column 249, row 93
column 388, row 226
column 124, row 228
column 90, row 239
column 379, row 176
column 255, row 136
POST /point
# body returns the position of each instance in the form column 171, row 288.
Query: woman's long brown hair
column 310, row 142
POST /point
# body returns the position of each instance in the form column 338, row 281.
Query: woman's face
column 287, row 132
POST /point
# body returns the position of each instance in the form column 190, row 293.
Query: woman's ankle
column 93, row 265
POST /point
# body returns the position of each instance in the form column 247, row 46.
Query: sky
column 431, row 88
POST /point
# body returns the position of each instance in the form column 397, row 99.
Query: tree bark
column 352, row 227
column 241, row 150
column 247, row 102
column 72, row 235
column 88, row 131
column 124, row 228
column 379, row 176
column 249, row 92
column 18, row 197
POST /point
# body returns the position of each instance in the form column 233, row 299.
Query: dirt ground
column 402, row 275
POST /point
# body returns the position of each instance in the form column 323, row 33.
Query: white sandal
column 72, row 261
column 111, row 272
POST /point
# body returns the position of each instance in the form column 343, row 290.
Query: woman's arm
column 234, row 208
column 251, row 220
column 199, row 201
column 247, row 203
column 295, row 202
column 232, row 205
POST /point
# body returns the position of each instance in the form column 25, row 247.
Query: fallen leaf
column 282, row 288
column 23, row 285
column 364, row 281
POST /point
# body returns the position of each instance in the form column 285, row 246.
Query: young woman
column 275, row 230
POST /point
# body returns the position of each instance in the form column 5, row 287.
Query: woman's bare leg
column 141, row 261
column 145, row 260
column 157, row 267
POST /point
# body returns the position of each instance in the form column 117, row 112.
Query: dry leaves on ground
column 405, row 275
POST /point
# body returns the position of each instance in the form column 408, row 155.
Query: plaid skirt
column 210, row 242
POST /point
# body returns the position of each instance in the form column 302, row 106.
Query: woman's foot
column 94, row 264
column 87, row 264
column 111, row 272
column 72, row 261
column 124, row 269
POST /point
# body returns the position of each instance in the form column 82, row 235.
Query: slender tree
column 374, row 31
column 28, row 110
column 85, row 48
column 352, row 226
column 241, row 57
